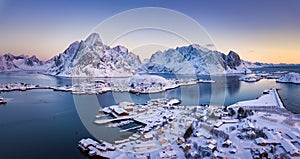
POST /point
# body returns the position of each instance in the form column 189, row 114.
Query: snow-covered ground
column 136, row 84
column 269, row 100
column 154, row 83
column 291, row 77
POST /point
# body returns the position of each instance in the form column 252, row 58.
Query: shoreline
column 280, row 104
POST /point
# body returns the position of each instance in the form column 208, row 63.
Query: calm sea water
column 48, row 124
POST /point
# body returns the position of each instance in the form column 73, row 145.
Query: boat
column 2, row 100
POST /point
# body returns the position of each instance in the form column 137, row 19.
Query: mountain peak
column 120, row 48
column 233, row 59
column 94, row 38
column 232, row 53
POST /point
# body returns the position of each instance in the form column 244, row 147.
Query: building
column 148, row 137
column 120, row 111
column 185, row 147
column 227, row 143
column 260, row 141
column 289, row 148
column 129, row 108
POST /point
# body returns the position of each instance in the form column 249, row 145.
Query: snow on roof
column 228, row 142
column 260, row 140
column 250, row 124
column 87, row 142
column 232, row 150
column 288, row 147
column 212, row 141
column 269, row 135
column 106, row 110
column 120, row 110
column 148, row 136
column 293, row 137
column 211, row 146
column 218, row 124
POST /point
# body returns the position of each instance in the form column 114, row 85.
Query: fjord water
column 47, row 124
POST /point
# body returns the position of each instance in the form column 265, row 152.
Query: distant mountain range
column 92, row 58
column 9, row 62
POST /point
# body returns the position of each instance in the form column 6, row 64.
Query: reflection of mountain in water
column 233, row 84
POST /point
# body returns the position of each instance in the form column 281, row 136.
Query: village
column 259, row 128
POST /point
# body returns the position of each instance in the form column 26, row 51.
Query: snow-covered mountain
column 9, row 62
column 193, row 59
column 91, row 58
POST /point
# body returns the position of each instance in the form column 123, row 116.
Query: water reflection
column 233, row 84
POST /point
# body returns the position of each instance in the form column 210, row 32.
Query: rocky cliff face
column 233, row 60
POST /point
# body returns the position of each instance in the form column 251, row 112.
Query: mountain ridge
column 90, row 57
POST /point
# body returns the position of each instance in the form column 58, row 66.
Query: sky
column 264, row 31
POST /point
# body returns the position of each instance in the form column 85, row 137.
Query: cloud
column 210, row 45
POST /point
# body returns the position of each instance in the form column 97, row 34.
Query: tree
column 231, row 112
column 188, row 132
column 241, row 110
